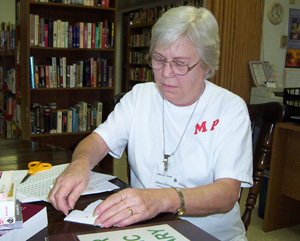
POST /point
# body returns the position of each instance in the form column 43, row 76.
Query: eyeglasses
column 178, row 67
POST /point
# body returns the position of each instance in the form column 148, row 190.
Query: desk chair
column 263, row 119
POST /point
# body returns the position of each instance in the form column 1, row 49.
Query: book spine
column 92, row 77
column 47, row 80
column 36, row 109
column 66, row 34
column 81, row 34
column 54, row 66
column 68, row 76
column 70, row 36
column 104, row 73
column 64, row 72
column 105, row 34
column 89, row 40
column 46, row 118
column 97, row 35
column 112, row 37
column 32, row 78
column 55, row 34
column 32, row 122
column 73, row 119
column 36, row 30
column 93, row 37
column 36, row 76
column 69, row 121
column 32, row 34
column 46, row 34
column 7, row 207
column 50, row 32
column 85, row 36
column 53, row 117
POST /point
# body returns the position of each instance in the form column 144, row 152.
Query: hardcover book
column 53, row 117
column 34, row 220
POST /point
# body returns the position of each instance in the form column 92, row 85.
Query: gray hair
column 198, row 24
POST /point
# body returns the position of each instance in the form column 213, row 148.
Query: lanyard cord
column 163, row 119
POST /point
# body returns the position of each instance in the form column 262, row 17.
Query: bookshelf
column 9, row 81
column 137, row 26
column 68, row 56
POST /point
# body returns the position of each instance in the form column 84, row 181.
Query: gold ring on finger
column 131, row 212
column 121, row 197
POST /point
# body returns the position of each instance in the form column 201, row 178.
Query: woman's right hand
column 68, row 187
column 73, row 181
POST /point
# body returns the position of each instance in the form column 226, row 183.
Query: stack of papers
column 38, row 186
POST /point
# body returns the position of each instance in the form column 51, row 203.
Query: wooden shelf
column 63, row 97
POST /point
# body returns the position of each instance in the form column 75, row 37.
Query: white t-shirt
column 217, row 144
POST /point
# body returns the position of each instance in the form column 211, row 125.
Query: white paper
column 38, row 186
column 86, row 216
column 292, row 78
column 151, row 233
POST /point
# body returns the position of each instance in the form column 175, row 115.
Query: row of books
column 141, row 74
column 57, row 73
column 9, row 102
column 93, row 3
column 9, row 79
column 51, row 119
column 9, row 106
column 62, row 34
column 137, row 57
column 152, row 14
column 140, row 40
column 8, row 128
column 7, row 36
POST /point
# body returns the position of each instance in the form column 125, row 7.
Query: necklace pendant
column 166, row 162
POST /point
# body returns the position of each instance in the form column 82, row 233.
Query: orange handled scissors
column 35, row 167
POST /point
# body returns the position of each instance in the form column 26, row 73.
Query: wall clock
column 275, row 12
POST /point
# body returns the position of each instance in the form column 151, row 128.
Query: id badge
column 163, row 180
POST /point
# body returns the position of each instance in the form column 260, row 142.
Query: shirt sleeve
column 115, row 130
column 233, row 150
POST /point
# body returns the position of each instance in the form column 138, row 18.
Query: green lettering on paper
column 101, row 239
column 163, row 236
column 153, row 232
column 136, row 237
column 158, row 236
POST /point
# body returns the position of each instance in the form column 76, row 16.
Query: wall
column 271, row 50
column 7, row 11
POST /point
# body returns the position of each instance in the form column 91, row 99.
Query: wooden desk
column 283, row 195
column 15, row 155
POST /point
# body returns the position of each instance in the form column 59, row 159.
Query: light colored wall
column 7, row 11
column 271, row 50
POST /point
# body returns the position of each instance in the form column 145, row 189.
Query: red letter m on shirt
column 202, row 127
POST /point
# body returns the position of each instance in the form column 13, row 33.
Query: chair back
column 263, row 119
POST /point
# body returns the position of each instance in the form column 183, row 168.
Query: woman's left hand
column 131, row 206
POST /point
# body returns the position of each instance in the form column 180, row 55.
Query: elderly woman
column 189, row 141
